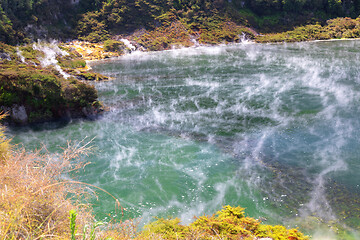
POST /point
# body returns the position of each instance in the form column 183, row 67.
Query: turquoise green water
column 273, row 128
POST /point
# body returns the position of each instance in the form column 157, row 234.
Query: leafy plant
column 73, row 227
column 92, row 235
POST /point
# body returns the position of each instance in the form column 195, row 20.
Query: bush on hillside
column 114, row 46
column 334, row 28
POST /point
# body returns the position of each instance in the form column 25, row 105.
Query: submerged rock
column 91, row 111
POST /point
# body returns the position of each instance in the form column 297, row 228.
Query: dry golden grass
column 37, row 194
column 4, row 142
column 33, row 205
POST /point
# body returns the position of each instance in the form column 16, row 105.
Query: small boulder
column 90, row 112
column 5, row 56
column 18, row 114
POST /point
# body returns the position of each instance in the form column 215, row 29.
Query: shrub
column 34, row 199
column 229, row 223
column 114, row 46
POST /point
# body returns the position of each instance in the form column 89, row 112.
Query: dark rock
column 18, row 114
column 5, row 56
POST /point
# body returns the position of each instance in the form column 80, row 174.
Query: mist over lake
column 273, row 128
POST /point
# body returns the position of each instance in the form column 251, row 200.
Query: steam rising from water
column 128, row 44
column 51, row 51
column 272, row 128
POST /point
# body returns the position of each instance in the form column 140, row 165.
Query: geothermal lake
column 274, row 128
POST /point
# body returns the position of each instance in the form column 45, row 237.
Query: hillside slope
column 24, row 20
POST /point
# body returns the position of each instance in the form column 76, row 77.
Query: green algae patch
column 229, row 223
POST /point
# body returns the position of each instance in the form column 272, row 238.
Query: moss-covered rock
column 43, row 96
column 114, row 46
column 31, row 93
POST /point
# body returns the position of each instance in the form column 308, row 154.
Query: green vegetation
column 44, row 94
column 211, row 21
column 172, row 33
column 114, row 46
column 334, row 29
column 31, row 93
column 229, row 223
column 178, row 23
column 91, row 76
column 22, row 18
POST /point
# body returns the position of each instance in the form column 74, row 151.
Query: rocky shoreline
column 45, row 82
column 49, row 81
column 176, row 34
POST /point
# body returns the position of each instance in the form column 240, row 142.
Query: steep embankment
column 42, row 82
column 209, row 21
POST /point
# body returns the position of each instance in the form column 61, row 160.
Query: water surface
column 272, row 128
